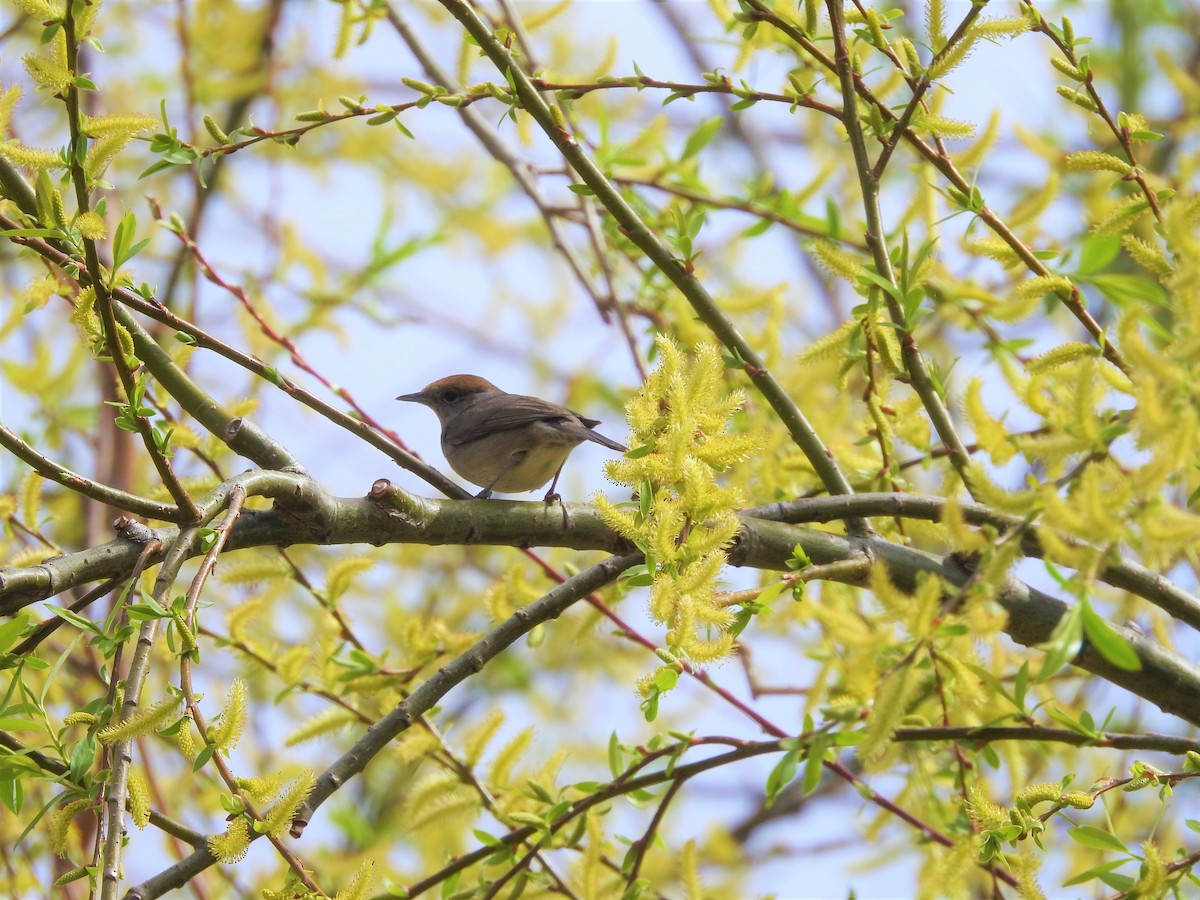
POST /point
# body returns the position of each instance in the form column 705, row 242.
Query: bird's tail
column 610, row 444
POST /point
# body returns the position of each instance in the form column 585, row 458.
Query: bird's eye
column 451, row 396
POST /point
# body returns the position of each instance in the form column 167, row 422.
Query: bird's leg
column 513, row 461
column 552, row 495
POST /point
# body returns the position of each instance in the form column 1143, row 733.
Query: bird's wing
column 502, row 412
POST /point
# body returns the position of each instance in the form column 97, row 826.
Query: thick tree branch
column 304, row 513
column 1121, row 573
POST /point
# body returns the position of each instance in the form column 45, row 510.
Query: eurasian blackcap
column 504, row 442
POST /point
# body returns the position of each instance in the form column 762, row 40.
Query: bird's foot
column 553, row 496
column 485, row 494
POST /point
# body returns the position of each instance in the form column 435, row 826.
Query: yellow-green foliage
column 502, row 766
column 837, row 261
column 992, row 247
column 1121, row 216
column 9, row 97
column 127, row 125
column 231, row 846
column 982, row 810
column 60, row 824
column 689, row 865
column 508, row 593
column 262, row 789
column 41, row 10
column 139, row 799
column 31, row 157
column 945, row 127
column 1148, row 256
column 360, row 886
column 1096, row 161
column 340, row 576
column 990, row 434
column 277, row 819
column 685, row 518
column 185, row 738
column 32, row 486
column 1043, row 284
column 1152, row 879
column 1025, row 866
column 73, row 875
column 142, row 723
column 328, row 721
column 253, row 570
column 225, row 734
column 476, row 743
column 49, row 68
column 831, row 344
column 438, row 799
column 91, row 226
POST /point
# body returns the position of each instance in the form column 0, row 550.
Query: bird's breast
column 513, row 461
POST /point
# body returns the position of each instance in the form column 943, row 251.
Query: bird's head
column 446, row 395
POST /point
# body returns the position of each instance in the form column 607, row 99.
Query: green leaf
column 203, row 757
column 742, row 619
column 1109, row 642
column 82, row 757
column 583, row 189
column 1097, row 839
column 649, row 707
column 486, row 839
column 142, row 612
column 15, row 723
column 12, row 629
column 757, row 228
column 1124, row 289
column 1021, row 685
column 123, row 239
column 814, row 765
column 207, row 538
column 1064, row 643
column 1118, row 882
column 616, row 762
column 700, row 138
column 781, row 776
column 800, row 558
column 53, row 801
column 1073, row 724
column 666, row 679
column 869, row 274
column 1097, row 252
column 952, row 629
column 770, row 592
column 31, row 232
column 75, row 619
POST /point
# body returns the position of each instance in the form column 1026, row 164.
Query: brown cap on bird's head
column 450, row 388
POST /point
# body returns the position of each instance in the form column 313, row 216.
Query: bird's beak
column 412, row 398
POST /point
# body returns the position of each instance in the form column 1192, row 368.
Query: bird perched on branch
column 505, row 442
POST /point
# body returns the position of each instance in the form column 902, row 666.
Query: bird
column 504, row 442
